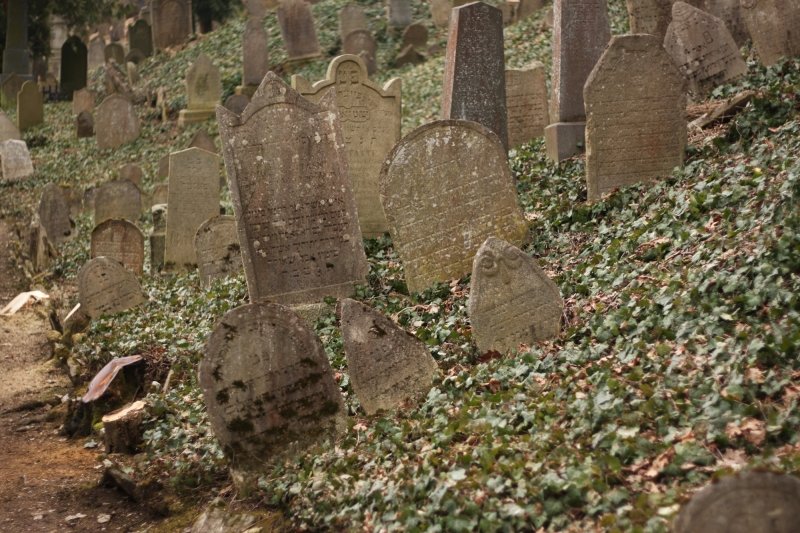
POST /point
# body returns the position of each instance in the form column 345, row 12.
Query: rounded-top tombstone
column 74, row 66
column 106, row 287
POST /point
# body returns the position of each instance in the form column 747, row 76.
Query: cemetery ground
column 677, row 362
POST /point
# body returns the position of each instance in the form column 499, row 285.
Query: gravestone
column 133, row 73
column 415, row 35
column 351, row 18
column 160, row 194
column 40, row 250
column 773, row 25
column 116, row 81
column 440, row 12
column 59, row 32
column 581, row 32
column 267, row 384
column 140, row 37
column 370, row 119
column 297, row 30
column 255, row 59
column 114, row 52
column 217, row 247
column 84, row 125
column 74, row 66
column 8, row 130
column 635, row 105
column 408, row 56
column 526, row 103
column 361, row 43
column 193, row 197
column 650, row 16
column 96, row 55
column 163, row 167
column 203, row 91
column 82, row 100
column 158, row 236
column 474, row 72
column 53, row 213
column 511, row 300
column 15, row 160
column 171, row 22
column 749, row 502
column 445, row 188
column 201, row 139
column 703, row 49
column 387, row 365
column 236, row 103
column 117, row 123
column 105, row 287
column 10, row 89
column 399, row 13
column 30, row 106
column 729, row 12
column 121, row 241
column 16, row 53
column 292, row 196
column 132, row 172
column 117, row 199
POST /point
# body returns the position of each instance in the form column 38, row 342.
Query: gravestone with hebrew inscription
column 203, row 91
column 54, row 213
column 74, row 66
column 116, row 122
column 30, row 106
column 511, row 300
column 15, row 160
column 387, row 365
column 399, row 13
column 8, row 130
column 171, row 22
column 581, row 32
column 474, row 73
column 140, row 37
column 351, row 18
column 217, row 247
column 117, row 199
column 292, row 197
column 193, row 197
column 361, row 43
column 297, row 29
column 105, row 287
column 773, row 25
column 82, row 100
column 121, row 241
column 255, row 58
column 445, row 188
column 526, row 103
column 370, row 120
column 650, row 16
column 268, row 386
column 636, row 115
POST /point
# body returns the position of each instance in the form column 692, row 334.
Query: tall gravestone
column 16, row 55
column 171, row 22
column 140, row 37
column 217, row 247
column 203, row 91
column 193, row 197
column 636, row 115
column 255, row 59
column 292, row 197
column 116, row 122
column 370, row 120
column 445, row 188
column 526, row 103
column 11, row 86
column 53, row 213
column 158, row 235
column 117, row 199
column 30, row 106
column 105, row 287
column 351, row 18
column 59, row 32
column 96, row 55
column 650, row 16
column 74, row 66
column 474, row 73
column 773, row 25
column 121, row 241
column 581, row 32
column 297, row 30
column 361, row 43
column 15, row 160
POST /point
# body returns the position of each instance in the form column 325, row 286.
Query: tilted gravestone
column 511, row 300
column 40, row 250
column 105, row 287
column 193, row 197
column 267, row 384
column 121, row 241
column 399, row 13
column 361, row 43
column 84, row 124
column 96, row 54
column 10, row 89
column 217, row 247
column 82, row 100
column 526, row 103
column 415, row 35
column 8, row 130
column 387, row 365
column 30, row 106
column 773, row 25
column 650, row 16
column 297, row 30
column 581, row 32
column 171, row 22
column 117, row 199
column 408, row 56
column 255, row 59
column 636, row 115
column 140, row 37
column 445, row 188
column 351, row 18
column 114, row 52
column 703, row 49
column 116, row 122
column 474, row 73
column 201, row 139
column 292, row 196
column 203, row 91
column 54, row 213
column 15, row 160
column 370, row 120
column 74, row 66
column 132, row 172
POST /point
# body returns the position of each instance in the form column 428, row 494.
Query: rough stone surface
column 15, row 160
column 730, row 12
column 160, row 194
column 445, row 188
column 84, row 124
column 203, row 91
column 255, row 59
column 30, row 106
column 526, row 103
column 132, row 172
column 217, row 247
column 171, row 20
column 74, row 66
column 650, row 16
column 387, row 365
column 399, row 13
column 361, row 43
column 201, row 139
column 773, row 25
column 292, row 196
column 40, row 250
column 116, row 122
column 82, row 100
column 268, row 385
column 297, row 29
column 8, row 130
column 351, row 18
column 140, row 37
column 96, row 52
column 53, row 213
column 121, row 241
column 105, row 287
column 236, row 103
column 117, row 199
column 415, row 35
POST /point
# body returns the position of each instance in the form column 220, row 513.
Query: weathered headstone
column 8, row 130
column 131, row 172
column 158, row 236
column 297, row 30
column 474, row 73
column 140, row 37
column 82, row 100
column 117, row 199
column 193, row 197
column 399, row 13
column 511, row 300
column 160, row 194
column 74, row 66
column 268, row 385
column 445, row 188
column 236, row 103
column 53, row 213
column 650, row 16
column 10, row 89
column 729, row 12
column 255, row 59
column 84, row 124
column 387, row 365
column 773, row 25
column 370, row 120
column 117, row 122
column 15, row 160
column 351, row 18
column 217, row 247
column 526, row 103
column 171, row 22
column 121, row 241
column 703, row 49
column 116, row 81
column 106, row 287
column 292, row 196
column 96, row 55
column 581, row 32
column 415, row 35
column 526, row 8
column 30, row 106
column 203, row 91
column 201, row 139
column 440, row 12
column 408, row 56
column 40, row 250
column 361, row 43
column 114, row 52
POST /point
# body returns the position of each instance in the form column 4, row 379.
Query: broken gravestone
column 297, row 30
column 117, row 122
column 203, row 91
column 106, row 287
column 117, row 199
column 121, row 241
column 8, row 130
column 217, row 247
column 773, row 25
column 15, row 160
column 54, row 213
column 526, row 103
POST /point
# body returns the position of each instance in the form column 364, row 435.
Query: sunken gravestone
column 117, row 123
column 297, row 30
column 636, row 115
column 117, row 199
column 774, row 26
column 650, row 16
column 106, row 287
column 361, row 43
column 30, row 106
column 82, row 100
column 53, row 213
column 387, row 365
column 203, row 91
column 526, row 103
column 140, row 37
column 217, row 247
column 15, row 160
column 84, row 125
column 445, row 188
column 292, row 196
column 267, row 384
column 370, row 120
column 255, row 59
column 511, row 300
column 172, row 22
column 74, row 66
column 121, row 241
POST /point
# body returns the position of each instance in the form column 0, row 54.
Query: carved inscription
column 526, row 104
column 106, row 287
column 217, row 248
column 121, row 241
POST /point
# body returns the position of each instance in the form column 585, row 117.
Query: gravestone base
column 564, row 140
column 158, row 243
column 193, row 116
column 246, row 90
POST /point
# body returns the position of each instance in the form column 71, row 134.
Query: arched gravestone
column 255, row 57
column 217, row 247
column 172, row 22
column 292, row 197
column 773, row 25
column 74, row 66
column 203, row 91
column 121, row 241
column 361, row 43
column 96, row 52
column 54, row 213
column 30, row 106
column 351, row 18
column 636, row 115
column 15, row 161
column 297, row 30
column 446, row 188
column 115, row 52
column 267, row 385
column 140, row 37
column 370, row 120
column 116, row 122
column 106, row 287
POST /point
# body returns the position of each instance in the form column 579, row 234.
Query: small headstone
column 703, row 49
column 115, row 52
column 268, row 385
column 15, row 160
column 201, row 139
column 117, row 199
column 361, row 43
column 650, row 16
column 297, row 29
column 117, row 122
column 415, row 35
column 526, row 103
column 53, row 213
column 74, row 66
column 160, row 194
column 171, row 22
column 10, row 89
column 440, row 12
column 105, row 287
column 121, row 241
column 236, row 103
column 773, row 25
column 96, row 55
column 474, row 74
column 387, row 365
column 82, row 100
column 351, row 18
column 140, row 37
column 8, row 130
column 217, row 247
column 158, row 236
column 255, row 59
column 408, row 56
column 84, row 124
column 30, row 106
column 445, row 188
column 132, row 172
column 730, row 12
column 203, row 91
column 399, row 13
column 511, row 300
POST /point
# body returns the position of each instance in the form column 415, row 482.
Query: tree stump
column 123, row 428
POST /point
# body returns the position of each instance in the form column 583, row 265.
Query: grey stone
column 105, row 287
column 361, row 43
column 217, row 247
column 53, row 213
column 399, row 13
column 117, row 199
column 351, row 18
column 773, row 26
column 116, row 122
column 15, row 160
column 526, row 103
column 255, row 59
column 8, row 130
column 121, row 241
column 203, row 91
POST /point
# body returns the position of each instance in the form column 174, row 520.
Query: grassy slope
column 677, row 361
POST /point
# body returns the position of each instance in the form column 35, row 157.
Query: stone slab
column 105, row 287
column 121, row 241
column 216, row 244
column 526, row 103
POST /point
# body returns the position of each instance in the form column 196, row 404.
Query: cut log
column 123, row 428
